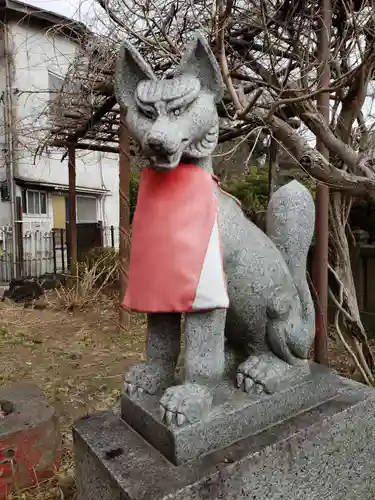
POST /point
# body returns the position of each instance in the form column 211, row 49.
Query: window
column 55, row 84
column 86, row 209
column 34, row 202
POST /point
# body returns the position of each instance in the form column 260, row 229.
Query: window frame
column 92, row 197
column 53, row 92
column 25, row 202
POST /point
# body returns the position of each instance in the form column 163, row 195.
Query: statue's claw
column 184, row 404
column 181, row 419
column 265, row 373
column 256, row 371
column 129, row 389
column 147, row 378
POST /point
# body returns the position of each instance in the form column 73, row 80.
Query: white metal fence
column 40, row 250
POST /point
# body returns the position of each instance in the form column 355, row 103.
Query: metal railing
column 40, row 250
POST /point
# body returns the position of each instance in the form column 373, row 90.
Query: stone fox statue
column 247, row 305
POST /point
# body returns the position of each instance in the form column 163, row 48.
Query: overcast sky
column 84, row 10
column 77, row 9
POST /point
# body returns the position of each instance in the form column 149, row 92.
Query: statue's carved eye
column 180, row 110
column 149, row 113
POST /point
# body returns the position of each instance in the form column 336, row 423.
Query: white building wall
column 35, row 53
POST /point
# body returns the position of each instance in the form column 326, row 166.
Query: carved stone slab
column 235, row 414
column 325, row 452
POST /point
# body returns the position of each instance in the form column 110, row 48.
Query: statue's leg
column 264, row 371
column 204, row 363
column 163, row 348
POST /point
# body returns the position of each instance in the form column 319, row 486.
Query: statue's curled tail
column 290, row 225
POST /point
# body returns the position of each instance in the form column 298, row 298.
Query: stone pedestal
column 319, row 447
column 30, row 440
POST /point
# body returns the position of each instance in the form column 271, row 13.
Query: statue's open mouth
column 166, row 162
column 162, row 161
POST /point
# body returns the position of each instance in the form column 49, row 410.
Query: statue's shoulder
column 225, row 193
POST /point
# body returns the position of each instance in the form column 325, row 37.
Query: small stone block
column 323, row 452
column 30, row 442
column 235, row 414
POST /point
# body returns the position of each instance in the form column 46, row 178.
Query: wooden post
column 72, row 227
column 19, row 238
column 320, row 263
column 272, row 167
column 124, row 229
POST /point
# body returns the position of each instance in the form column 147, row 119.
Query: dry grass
column 96, row 274
column 77, row 358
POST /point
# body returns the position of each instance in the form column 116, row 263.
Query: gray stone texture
column 29, row 437
column 325, row 452
column 251, row 417
column 234, row 414
column 269, row 325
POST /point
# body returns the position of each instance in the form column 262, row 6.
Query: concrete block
column 30, row 442
column 324, row 452
column 235, row 414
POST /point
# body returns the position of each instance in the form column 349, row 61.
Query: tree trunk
column 272, row 167
column 348, row 319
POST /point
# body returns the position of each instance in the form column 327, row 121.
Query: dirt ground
column 78, row 360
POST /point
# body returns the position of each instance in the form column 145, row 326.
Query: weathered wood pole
column 124, row 229
column 19, row 254
column 320, row 262
column 72, row 226
column 272, row 167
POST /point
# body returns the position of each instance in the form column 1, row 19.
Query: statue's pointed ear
column 131, row 68
column 199, row 61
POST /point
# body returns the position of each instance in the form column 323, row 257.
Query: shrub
column 251, row 189
column 133, row 194
column 96, row 273
column 105, row 263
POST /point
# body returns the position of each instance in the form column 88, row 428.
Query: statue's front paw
column 184, row 404
column 147, row 377
column 261, row 373
column 248, row 377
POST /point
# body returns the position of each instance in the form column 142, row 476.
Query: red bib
column 175, row 260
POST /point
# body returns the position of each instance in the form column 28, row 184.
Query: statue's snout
column 164, row 152
column 160, row 146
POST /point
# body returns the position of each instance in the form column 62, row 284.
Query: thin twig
column 363, row 368
column 223, row 58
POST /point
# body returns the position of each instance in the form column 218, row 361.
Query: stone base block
column 30, row 442
column 234, row 415
column 323, row 452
